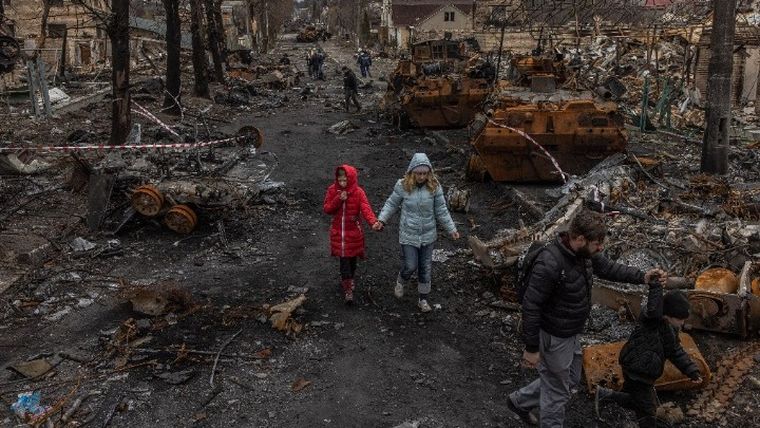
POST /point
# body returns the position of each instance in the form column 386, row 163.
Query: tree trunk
column 62, row 65
column 44, row 22
column 718, row 98
column 757, row 93
column 200, row 62
column 118, row 32
column 213, row 41
column 221, row 36
column 173, row 45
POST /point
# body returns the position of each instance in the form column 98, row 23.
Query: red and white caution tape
column 136, row 147
column 106, row 147
column 529, row 138
column 144, row 112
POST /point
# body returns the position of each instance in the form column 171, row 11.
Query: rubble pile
column 668, row 216
column 618, row 69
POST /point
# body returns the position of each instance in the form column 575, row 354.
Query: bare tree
column 116, row 24
column 719, row 70
column 220, row 29
column 215, row 40
column 271, row 15
column 118, row 32
column 200, row 62
column 173, row 46
column 43, row 21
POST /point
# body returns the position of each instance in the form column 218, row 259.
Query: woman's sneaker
column 424, row 306
column 349, row 297
column 398, row 290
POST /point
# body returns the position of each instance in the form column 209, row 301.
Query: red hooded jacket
column 346, row 235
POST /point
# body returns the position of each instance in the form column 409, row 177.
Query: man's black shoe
column 524, row 415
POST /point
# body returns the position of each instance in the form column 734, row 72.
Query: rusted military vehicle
column 311, row 34
column 524, row 140
column 443, row 85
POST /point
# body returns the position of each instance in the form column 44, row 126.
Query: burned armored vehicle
column 533, row 131
column 311, row 34
column 537, row 140
column 443, row 85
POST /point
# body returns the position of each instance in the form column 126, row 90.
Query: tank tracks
column 727, row 378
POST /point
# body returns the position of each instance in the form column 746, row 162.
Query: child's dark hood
column 351, row 175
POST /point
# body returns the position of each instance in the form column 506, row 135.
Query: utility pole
column 718, row 111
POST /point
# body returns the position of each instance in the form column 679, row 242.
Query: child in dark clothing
column 653, row 341
column 348, row 204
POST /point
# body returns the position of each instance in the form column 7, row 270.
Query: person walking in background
column 350, row 88
column 364, row 60
column 346, row 201
column 419, row 197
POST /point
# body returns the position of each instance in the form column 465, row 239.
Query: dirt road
column 379, row 363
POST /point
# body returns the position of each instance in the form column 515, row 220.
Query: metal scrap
column 601, row 367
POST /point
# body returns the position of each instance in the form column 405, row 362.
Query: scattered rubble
column 280, row 315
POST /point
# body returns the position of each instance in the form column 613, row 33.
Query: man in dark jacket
column 643, row 357
column 351, row 88
column 364, row 60
column 555, row 309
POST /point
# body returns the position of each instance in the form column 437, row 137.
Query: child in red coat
column 347, row 203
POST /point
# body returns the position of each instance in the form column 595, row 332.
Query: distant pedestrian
column 653, row 342
column 346, row 201
column 364, row 60
column 310, row 64
column 555, row 308
column 319, row 64
column 419, row 197
column 351, row 88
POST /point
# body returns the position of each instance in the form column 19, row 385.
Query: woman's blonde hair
column 431, row 184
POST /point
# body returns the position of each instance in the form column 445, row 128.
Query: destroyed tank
column 530, row 134
column 443, row 85
column 311, row 34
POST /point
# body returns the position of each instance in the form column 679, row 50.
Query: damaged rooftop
column 166, row 256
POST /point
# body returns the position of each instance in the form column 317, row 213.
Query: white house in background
column 403, row 21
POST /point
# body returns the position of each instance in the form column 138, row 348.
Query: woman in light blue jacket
column 419, row 196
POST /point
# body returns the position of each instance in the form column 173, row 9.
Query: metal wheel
column 181, row 219
column 147, row 200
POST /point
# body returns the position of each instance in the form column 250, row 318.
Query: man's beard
column 584, row 252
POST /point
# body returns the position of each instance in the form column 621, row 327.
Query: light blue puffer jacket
column 420, row 210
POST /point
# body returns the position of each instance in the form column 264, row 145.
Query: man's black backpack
column 528, row 259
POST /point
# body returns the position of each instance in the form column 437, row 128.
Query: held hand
column 455, row 235
column 343, row 195
column 696, row 381
column 658, row 275
column 378, row 226
column 530, row 359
